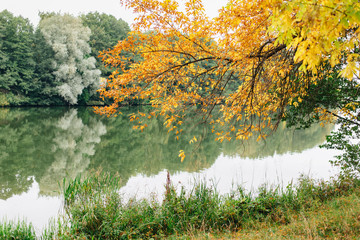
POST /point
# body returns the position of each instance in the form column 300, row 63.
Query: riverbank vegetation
column 93, row 209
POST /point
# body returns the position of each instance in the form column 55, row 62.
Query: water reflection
column 282, row 141
column 73, row 144
column 47, row 144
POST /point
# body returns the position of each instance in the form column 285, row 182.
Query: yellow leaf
column 194, row 139
column 181, row 155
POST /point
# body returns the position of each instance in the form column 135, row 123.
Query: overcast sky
column 30, row 8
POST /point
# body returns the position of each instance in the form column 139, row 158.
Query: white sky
column 30, row 8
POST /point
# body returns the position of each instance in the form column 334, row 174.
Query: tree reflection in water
column 73, row 145
column 47, row 144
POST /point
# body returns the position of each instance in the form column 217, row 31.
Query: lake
column 41, row 146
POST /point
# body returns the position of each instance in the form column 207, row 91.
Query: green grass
column 338, row 218
column 16, row 230
column 95, row 210
column 310, row 210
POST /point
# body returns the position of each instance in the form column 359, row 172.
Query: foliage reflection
column 48, row 144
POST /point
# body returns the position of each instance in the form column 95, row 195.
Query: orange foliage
column 230, row 69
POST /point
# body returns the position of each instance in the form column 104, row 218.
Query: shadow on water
column 48, row 144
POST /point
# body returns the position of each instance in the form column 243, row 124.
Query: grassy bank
column 338, row 218
column 311, row 209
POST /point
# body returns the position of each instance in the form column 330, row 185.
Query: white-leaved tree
column 74, row 69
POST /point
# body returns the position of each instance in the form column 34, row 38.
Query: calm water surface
column 41, row 146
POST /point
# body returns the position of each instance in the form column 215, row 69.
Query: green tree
column 16, row 55
column 74, row 68
column 330, row 93
column 46, row 93
column 106, row 31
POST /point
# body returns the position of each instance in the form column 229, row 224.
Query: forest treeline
column 56, row 62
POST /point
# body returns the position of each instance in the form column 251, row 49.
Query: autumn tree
column 273, row 51
column 325, row 35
